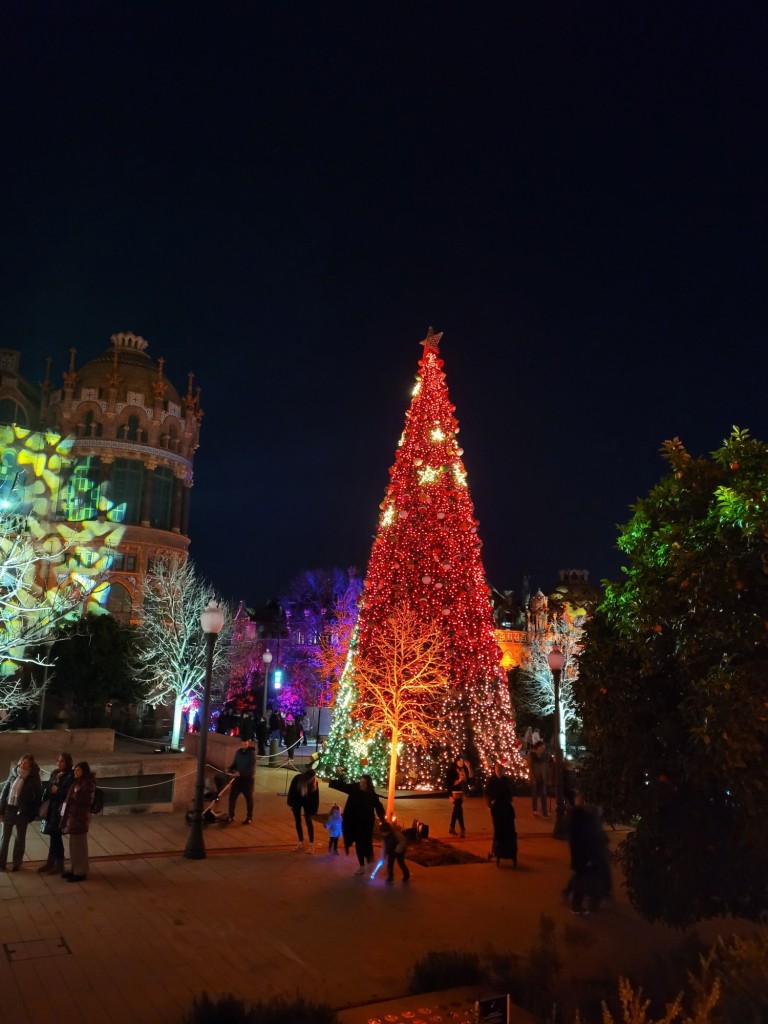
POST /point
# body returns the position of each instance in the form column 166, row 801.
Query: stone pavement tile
column 37, row 981
column 174, row 923
column 22, row 922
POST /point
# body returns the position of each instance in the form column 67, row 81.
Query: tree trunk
column 392, row 775
column 176, row 735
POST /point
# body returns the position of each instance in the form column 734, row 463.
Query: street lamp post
column 211, row 620
column 266, row 658
column 556, row 661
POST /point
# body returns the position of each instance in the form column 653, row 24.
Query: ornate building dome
column 129, row 361
column 134, row 444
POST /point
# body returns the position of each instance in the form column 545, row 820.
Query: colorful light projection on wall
column 47, row 495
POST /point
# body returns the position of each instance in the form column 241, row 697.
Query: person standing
column 499, row 786
column 498, row 795
column 261, row 734
column 538, row 764
column 291, row 736
column 304, row 799
column 589, row 859
column 243, row 768
column 55, row 792
column 333, row 824
column 457, row 784
column 246, row 726
column 20, row 800
column 275, row 727
column 363, row 806
column 76, row 820
column 527, row 741
column 394, row 843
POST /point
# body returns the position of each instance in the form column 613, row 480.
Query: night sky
column 282, row 197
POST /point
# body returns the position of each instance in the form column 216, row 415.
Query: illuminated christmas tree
column 426, row 554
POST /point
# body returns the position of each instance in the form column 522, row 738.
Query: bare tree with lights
column 402, row 687
column 537, row 688
column 172, row 650
column 333, row 646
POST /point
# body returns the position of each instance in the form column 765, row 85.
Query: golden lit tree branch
column 402, row 686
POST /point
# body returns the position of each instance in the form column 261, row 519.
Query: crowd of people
column 291, row 729
column 64, row 804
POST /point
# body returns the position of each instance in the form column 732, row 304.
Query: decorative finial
column 70, row 375
column 432, row 340
column 113, row 377
column 160, row 386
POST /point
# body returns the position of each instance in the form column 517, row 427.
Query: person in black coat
column 243, row 767
column 498, row 795
column 261, row 734
column 589, row 859
column 246, row 726
column 55, row 792
column 363, row 806
column 304, row 799
column 20, row 801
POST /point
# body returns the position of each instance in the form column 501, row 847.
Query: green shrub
column 728, row 984
column 447, row 969
column 230, row 1010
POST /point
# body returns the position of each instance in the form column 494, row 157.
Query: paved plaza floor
column 149, row 929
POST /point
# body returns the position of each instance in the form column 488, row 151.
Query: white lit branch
column 172, row 648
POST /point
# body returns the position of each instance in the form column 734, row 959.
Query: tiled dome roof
column 137, row 371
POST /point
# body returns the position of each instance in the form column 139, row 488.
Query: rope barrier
column 185, row 775
column 138, row 739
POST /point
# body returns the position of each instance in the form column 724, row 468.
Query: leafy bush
column 447, row 969
column 230, row 1010
column 741, row 968
column 727, row 984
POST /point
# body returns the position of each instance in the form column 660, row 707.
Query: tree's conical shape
column 427, row 553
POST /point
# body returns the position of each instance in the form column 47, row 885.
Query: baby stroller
column 215, row 789
column 504, row 832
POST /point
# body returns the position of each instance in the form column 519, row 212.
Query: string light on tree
column 426, row 554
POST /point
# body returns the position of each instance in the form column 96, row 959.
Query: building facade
column 117, row 444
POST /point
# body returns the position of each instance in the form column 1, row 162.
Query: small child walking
column 333, row 824
column 394, row 843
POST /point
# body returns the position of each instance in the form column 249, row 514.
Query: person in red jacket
column 76, row 819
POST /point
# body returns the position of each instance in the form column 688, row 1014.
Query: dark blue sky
column 282, row 197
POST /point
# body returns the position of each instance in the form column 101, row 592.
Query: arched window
column 12, row 412
column 81, row 494
column 162, row 495
column 125, row 491
column 92, row 426
column 12, row 483
column 130, row 429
